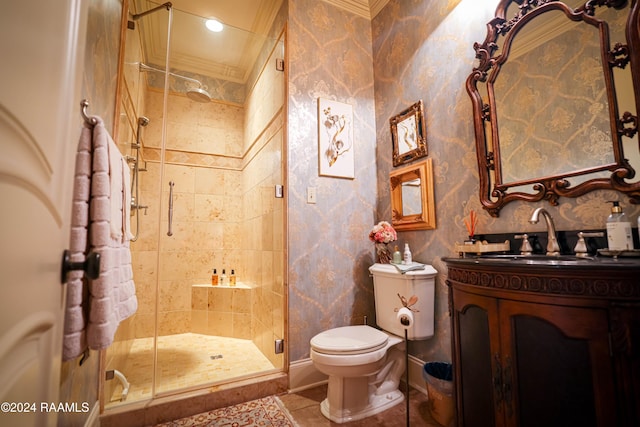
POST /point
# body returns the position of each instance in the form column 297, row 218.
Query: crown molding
column 376, row 6
column 359, row 7
column 365, row 8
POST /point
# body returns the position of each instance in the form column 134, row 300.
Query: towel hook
column 91, row 266
column 88, row 119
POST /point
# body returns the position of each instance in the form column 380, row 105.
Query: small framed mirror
column 412, row 198
column 409, row 135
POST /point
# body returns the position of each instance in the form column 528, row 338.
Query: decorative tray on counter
column 627, row 253
column 482, row 247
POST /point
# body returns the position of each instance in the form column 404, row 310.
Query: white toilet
column 365, row 364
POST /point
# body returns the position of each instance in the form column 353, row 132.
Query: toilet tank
column 388, row 282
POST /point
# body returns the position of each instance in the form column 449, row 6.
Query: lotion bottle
column 619, row 235
column 214, row 278
column 223, row 278
column 407, row 255
column 232, row 278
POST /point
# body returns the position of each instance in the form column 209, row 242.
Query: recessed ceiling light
column 214, row 25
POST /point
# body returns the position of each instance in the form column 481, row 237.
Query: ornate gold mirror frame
column 412, row 199
column 409, row 135
column 613, row 173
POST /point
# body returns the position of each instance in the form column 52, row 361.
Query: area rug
column 265, row 412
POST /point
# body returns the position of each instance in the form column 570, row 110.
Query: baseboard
column 303, row 375
column 416, row 380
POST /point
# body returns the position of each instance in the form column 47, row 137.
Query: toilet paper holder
column 406, row 318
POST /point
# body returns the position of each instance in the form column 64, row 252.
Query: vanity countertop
column 556, row 262
column 600, row 277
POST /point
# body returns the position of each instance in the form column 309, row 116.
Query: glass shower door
column 210, row 158
column 129, row 361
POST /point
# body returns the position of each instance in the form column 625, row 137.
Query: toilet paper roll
column 405, row 318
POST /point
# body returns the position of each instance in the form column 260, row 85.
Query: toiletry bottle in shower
column 223, row 278
column 232, row 278
column 214, row 278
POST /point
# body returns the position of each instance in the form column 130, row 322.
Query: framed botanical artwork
column 335, row 139
column 409, row 135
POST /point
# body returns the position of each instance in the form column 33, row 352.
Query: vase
column 383, row 252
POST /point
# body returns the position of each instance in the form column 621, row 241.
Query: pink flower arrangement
column 383, row 232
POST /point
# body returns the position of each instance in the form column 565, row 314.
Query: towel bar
column 91, row 266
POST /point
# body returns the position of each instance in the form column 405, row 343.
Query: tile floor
column 304, row 408
column 189, row 359
column 186, row 360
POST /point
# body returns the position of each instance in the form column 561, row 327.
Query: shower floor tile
column 187, row 360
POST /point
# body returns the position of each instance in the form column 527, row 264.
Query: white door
column 41, row 55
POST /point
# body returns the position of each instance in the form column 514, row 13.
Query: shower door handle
column 170, row 232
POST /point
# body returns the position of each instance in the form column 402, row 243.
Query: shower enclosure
column 201, row 123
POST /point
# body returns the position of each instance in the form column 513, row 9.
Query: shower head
column 143, row 121
column 198, row 94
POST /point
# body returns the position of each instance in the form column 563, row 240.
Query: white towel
column 120, row 199
column 116, row 220
column 96, row 307
column 403, row 268
column 75, row 339
column 126, row 211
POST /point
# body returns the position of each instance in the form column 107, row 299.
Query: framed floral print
column 335, row 139
column 409, row 135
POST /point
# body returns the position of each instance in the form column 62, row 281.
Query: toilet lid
column 349, row 340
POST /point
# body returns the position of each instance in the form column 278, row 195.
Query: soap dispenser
column 214, row 277
column 397, row 258
column 619, row 235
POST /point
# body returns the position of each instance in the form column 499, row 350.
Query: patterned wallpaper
column 424, row 50
column 329, row 251
column 421, row 50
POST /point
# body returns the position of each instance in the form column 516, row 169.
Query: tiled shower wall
column 207, row 204
column 262, row 249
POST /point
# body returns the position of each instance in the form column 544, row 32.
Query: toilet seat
column 349, row 340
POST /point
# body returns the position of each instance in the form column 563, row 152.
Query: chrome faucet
column 552, row 241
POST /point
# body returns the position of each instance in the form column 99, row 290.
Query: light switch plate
column 311, row 195
column 279, row 191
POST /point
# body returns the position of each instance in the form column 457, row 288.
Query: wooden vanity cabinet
column 535, row 346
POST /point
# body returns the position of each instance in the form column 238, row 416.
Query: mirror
column 408, row 135
column 547, row 118
column 412, row 199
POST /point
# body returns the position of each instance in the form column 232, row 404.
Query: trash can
column 439, row 376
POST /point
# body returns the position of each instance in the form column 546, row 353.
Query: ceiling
column 242, row 13
column 229, row 55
